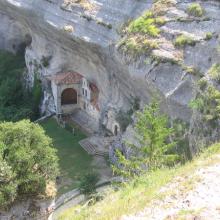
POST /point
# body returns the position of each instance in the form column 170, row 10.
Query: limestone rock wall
column 84, row 38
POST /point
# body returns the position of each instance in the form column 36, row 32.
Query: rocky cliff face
column 84, row 36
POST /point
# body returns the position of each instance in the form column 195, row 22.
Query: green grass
column 144, row 25
column 138, row 194
column 214, row 72
column 183, row 40
column 195, row 9
column 208, row 36
column 74, row 161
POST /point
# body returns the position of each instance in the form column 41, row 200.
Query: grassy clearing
column 138, row 194
column 74, row 161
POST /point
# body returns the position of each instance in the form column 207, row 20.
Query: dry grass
column 85, row 4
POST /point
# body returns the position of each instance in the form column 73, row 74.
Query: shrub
column 27, row 160
column 202, row 83
column 214, row 72
column 195, row 9
column 207, row 103
column 192, row 70
column 183, row 40
column 208, row 36
column 138, row 46
column 88, row 183
column 145, row 25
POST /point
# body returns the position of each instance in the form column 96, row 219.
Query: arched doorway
column 69, row 96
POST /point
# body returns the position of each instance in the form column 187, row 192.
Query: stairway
column 91, row 149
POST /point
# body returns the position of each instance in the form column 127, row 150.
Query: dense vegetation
column 28, row 163
column 16, row 101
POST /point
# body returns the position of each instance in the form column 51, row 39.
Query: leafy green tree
column 29, row 158
column 153, row 148
column 8, row 184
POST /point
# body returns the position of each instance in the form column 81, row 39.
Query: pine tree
column 152, row 151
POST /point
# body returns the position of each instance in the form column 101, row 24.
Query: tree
column 29, row 158
column 152, row 149
column 88, row 183
column 8, row 185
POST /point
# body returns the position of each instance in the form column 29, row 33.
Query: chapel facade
column 72, row 91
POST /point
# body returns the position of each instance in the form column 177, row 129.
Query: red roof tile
column 67, row 78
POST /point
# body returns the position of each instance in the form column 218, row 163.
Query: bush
column 208, row 36
column 195, row 9
column 27, row 161
column 88, row 183
column 145, row 25
column 183, row 40
column 214, row 72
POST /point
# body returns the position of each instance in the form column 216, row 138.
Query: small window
column 83, row 91
column 86, row 92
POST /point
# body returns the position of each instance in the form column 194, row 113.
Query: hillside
column 186, row 192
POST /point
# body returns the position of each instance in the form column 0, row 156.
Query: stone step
column 91, row 149
column 87, row 146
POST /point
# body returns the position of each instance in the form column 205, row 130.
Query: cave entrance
column 69, row 96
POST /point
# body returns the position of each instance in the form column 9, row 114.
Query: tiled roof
column 66, row 78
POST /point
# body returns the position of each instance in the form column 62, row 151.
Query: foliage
column 202, row 83
column 8, row 184
column 195, row 9
column 141, row 35
column 152, row 150
column 183, row 40
column 180, row 136
column 192, row 70
column 145, row 25
column 29, row 158
column 137, row 46
column 88, row 183
column 214, row 72
column 207, row 103
column 16, row 101
column 208, row 36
